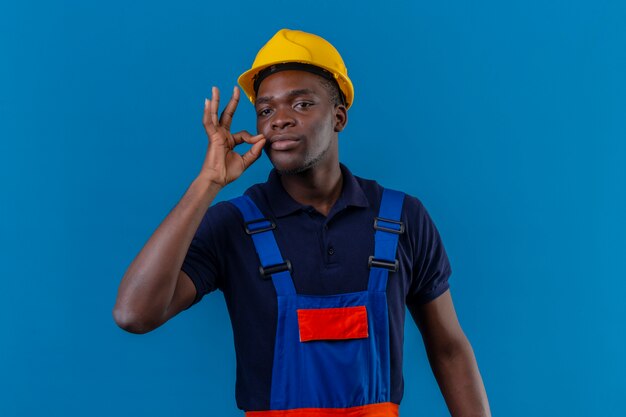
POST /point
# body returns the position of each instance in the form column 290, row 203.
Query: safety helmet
column 295, row 46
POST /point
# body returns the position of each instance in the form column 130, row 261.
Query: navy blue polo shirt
column 328, row 254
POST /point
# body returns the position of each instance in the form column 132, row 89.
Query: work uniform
column 323, row 331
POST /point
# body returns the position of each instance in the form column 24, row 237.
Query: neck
column 319, row 187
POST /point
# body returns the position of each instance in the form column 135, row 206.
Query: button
column 331, row 251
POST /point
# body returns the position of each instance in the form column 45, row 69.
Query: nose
column 282, row 119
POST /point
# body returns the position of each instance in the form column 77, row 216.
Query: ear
column 341, row 117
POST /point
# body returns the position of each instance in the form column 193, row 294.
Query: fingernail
column 206, row 102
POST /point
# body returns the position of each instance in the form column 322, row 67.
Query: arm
column 154, row 289
column 451, row 358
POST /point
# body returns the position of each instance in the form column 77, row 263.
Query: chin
column 286, row 165
column 289, row 169
column 292, row 164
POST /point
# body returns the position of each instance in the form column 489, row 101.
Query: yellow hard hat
column 295, row 46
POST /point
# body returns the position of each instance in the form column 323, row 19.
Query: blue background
column 507, row 119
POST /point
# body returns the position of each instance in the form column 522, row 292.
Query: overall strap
column 388, row 229
column 260, row 229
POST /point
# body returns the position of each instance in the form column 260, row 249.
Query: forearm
column 457, row 374
column 148, row 285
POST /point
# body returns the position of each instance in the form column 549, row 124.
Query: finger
column 245, row 136
column 209, row 127
column 253, row 154
column 215, row 104
column 254, row 139
column 229, row 111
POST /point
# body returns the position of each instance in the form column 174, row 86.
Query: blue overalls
column 331, row 354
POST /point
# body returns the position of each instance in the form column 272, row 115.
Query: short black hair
column 333, row 91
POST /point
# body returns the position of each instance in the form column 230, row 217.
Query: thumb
column 253, row 153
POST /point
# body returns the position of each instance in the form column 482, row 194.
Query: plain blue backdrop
column 507, row 119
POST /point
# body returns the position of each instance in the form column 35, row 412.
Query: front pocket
column 332, row 323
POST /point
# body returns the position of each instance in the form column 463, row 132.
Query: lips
column 283, row 142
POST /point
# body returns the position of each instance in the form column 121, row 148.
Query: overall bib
column 331, row 354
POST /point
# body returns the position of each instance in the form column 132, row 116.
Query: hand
column 222, row 165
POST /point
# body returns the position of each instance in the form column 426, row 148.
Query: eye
column 263, row 112
column 304, row 104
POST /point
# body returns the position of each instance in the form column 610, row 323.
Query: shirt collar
column 283, row 204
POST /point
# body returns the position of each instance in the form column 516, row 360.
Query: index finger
column 215, row 103
column 209, row 127
column 227, row 115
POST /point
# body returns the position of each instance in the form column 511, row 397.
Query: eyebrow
column 291, row 94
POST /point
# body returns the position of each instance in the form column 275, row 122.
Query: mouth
column 283, row 142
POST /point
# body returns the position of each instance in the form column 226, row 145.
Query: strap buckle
column 274, row 269
column 397, row 231
column 393, row 266
column 260, row 228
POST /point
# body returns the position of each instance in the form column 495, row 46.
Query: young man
column 316, row 265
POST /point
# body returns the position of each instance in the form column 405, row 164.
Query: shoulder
column 418, row 223
column 226, row 211
column 224, row 215
column 221, row 218
column 412, row 206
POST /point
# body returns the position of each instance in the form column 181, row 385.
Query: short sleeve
column 201, row 261
column 431, row 267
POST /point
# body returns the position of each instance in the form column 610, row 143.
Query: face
column 300, row 123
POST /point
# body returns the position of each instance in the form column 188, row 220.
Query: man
column 316, row 265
